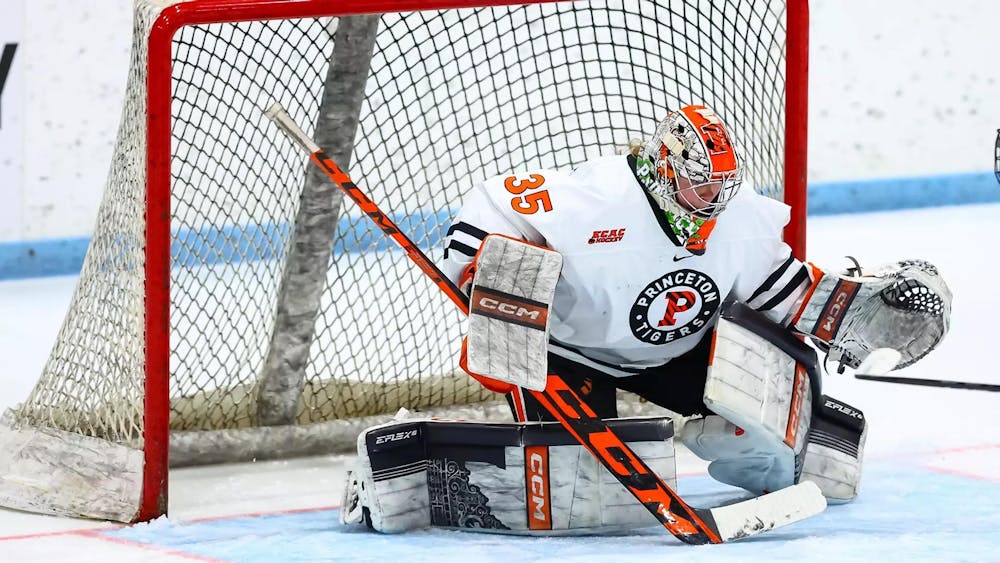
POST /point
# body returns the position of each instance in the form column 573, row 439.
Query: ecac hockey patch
column 673, row 306
column 607, row 235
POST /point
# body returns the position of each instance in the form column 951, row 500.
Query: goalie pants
column 678, row 385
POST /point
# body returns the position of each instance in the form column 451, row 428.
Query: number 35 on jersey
column 528, row 198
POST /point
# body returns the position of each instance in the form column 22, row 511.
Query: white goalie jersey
column 630, row 295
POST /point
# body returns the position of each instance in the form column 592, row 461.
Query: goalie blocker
column 511, row 285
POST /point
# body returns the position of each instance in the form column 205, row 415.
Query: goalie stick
column 690, row 525
column 882, row 360
column 930, row 382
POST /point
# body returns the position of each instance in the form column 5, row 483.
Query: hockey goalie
column 655, row 272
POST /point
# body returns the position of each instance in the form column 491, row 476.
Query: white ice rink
column 931, row 490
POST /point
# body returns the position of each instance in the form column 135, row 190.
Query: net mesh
column 451, row 97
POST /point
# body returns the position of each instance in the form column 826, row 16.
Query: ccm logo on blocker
column 509, row 308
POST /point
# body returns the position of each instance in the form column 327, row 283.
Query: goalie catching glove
column 904, row 306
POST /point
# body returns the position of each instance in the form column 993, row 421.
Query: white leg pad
column 515, row 479
column 764, row 402
column 769, row 433
column 746, row 458
column 835, row 451
column 393, row 501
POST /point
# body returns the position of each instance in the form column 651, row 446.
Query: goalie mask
column 695, row 172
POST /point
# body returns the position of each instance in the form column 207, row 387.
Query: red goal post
column 196, row 185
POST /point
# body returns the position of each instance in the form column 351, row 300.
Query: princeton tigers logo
column 673, row 306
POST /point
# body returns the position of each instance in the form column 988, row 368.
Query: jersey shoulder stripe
column 775, row 275
column 472, row 234
column 798, row 284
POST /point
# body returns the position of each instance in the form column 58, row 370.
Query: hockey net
column 229, row 295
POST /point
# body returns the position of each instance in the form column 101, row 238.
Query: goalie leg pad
column 512, row 289
column 388, row 498
column 761, row 381
column 835, row 451
column 741, row 457
column 771, row 433
column 832, row 457
column 527, row 478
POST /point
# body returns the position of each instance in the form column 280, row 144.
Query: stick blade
column 773, row 510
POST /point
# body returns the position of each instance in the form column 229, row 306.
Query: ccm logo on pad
column 799, row 388
column 509, row 308
column 536, row 476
